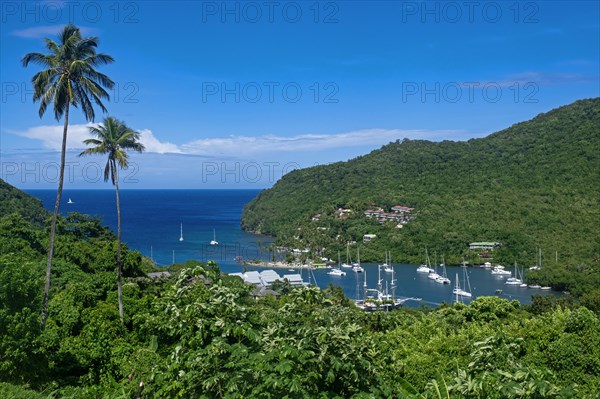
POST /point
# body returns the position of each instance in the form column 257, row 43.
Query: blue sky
column 235, row 94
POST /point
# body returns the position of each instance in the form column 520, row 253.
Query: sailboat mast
column 457, row 288
column 365, row 286
column 357, row 287
column 393, row 281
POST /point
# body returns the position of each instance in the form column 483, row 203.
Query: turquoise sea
column 152, row 221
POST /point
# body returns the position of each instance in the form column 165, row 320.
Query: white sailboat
column 443, row 279
column 538, row 264
column 426, row 267
column 338, row 271
column 356, row 266
column 348, row 263
column 70, row 201
column 181, row 232
column 434, row 274
column 523, row 283
column 466, row 290
column 214, row 240
column 514, row 280
column 388, row 267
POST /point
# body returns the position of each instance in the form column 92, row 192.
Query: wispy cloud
column 244, row 146
column 536, row 77
column 369, row 138
column 39, row 32
column 551, row 78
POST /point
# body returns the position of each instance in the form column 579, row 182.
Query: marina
column 413, row 285
column 159, row 238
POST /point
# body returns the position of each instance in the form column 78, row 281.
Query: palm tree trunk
column 54, row 218
column 119, row 266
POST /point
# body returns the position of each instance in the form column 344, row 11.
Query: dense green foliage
column 533, row 185
column 200, row 334
column 13, row 200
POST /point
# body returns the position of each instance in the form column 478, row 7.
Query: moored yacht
column 499, row 271
column 336, row 272
column 426, row 267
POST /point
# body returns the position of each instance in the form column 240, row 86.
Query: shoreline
column 284, row 265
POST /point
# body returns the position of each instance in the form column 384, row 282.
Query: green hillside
column 14, row 200
column 202, row 334
column 535, row 184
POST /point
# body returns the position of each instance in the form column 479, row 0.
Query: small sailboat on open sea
column 70, row 201
column 181, row 232
column 214, row 240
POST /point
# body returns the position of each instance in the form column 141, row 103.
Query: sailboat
column 425, row 268
column 514, row 280
column 357, row 267
column 434, row 275
column 214, row 240
column 181, row 232
column 338, row 271
column 466, row 285
column 523, row 283
column 348, row 263
column 388, row 267
column 70, row 201
column 538, row 264
column 443, row 279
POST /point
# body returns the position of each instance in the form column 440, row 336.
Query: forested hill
column 14, row 200
column 536, row 183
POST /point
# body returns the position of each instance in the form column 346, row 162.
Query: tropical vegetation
column 532, row 186
column 70, row 80
column 202, row 334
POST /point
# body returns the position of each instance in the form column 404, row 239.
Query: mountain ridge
column 541, row 169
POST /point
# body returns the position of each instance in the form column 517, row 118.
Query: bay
column 152, row 221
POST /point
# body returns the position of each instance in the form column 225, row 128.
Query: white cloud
column 236, row 145
column 153, row 144
column 244, row 146
column 51, row 136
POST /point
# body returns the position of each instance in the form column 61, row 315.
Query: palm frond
column 70, row 77
column 115, row 138
column 38, row 58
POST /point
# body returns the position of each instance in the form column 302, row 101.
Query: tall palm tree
column 114, row 138
column 69, row 80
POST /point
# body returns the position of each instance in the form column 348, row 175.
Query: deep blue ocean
column 152, row 219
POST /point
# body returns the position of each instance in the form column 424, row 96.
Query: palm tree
column 69, row 80
column 114, row 138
